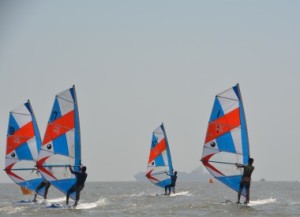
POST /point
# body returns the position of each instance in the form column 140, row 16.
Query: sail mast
column 36, row 129
column 244, row 117
column 77, row 128
column 168, row 150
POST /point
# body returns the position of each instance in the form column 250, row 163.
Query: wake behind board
column 79, row 206
column 56, row 206
column 181, row 193
column 229, row 202
column 253, row 202
column 25, row 202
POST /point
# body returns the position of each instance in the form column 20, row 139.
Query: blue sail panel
column 232, row 182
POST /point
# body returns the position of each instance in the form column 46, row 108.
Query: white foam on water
column 261, row 202
column 295, row 203
column 25, row 202
column 12, row 209
column 137, row 194
column 100, row 202
column 91, row 205
column 181, row 193
column 56, row 200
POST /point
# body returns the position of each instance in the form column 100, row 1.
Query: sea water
column 143, row 199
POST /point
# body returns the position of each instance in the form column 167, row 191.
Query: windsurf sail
column 22, row 148
column 160, row 162
column 226, row 141
column 61, row 143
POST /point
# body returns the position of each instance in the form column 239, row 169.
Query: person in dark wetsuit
column 45, row 184
column 78, row 186
column 246, row 179
column 173, row 183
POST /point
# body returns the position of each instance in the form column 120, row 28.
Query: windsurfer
column 45, row 184
column 173, row 183
column 78, row 186
column 246, row 179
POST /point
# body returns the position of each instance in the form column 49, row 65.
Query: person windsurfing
column 173, row 183
column 45, row 184
column 246, row 179
column 78, row 186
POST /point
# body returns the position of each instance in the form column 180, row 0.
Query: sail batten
column 226, row 142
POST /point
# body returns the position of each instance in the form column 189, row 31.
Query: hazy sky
column 137, row 63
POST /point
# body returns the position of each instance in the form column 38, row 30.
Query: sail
column 160, row 162
column 22, row 147
column 226, row 141
column 61, row 143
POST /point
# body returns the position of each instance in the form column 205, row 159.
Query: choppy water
column 142, row 199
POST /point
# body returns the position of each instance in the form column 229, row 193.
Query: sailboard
column 160, row 165
column 22, row 147
column 226, row 141
column 61, row 144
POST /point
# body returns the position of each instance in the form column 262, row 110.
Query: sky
column 136, row 64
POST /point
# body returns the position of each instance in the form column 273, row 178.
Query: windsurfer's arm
column 239, row 165
column 167, row 173
column 71, row 170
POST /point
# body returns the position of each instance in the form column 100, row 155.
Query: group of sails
column 30, row 161
column 226, row 144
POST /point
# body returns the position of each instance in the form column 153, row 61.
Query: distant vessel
column 22, row 148
column 160, row 165
column 61, row 145
column 211, row 181
column 226, row 141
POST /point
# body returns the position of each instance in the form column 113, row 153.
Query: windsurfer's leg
column 77, row 198
column 39, row 187
column 247, row 194
column 71, row 190
column 240, row 192
column 169, row 190
column 239, row 197
column 46, row 191
column 34, row 199
column 67, row 198
column 172, row 188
